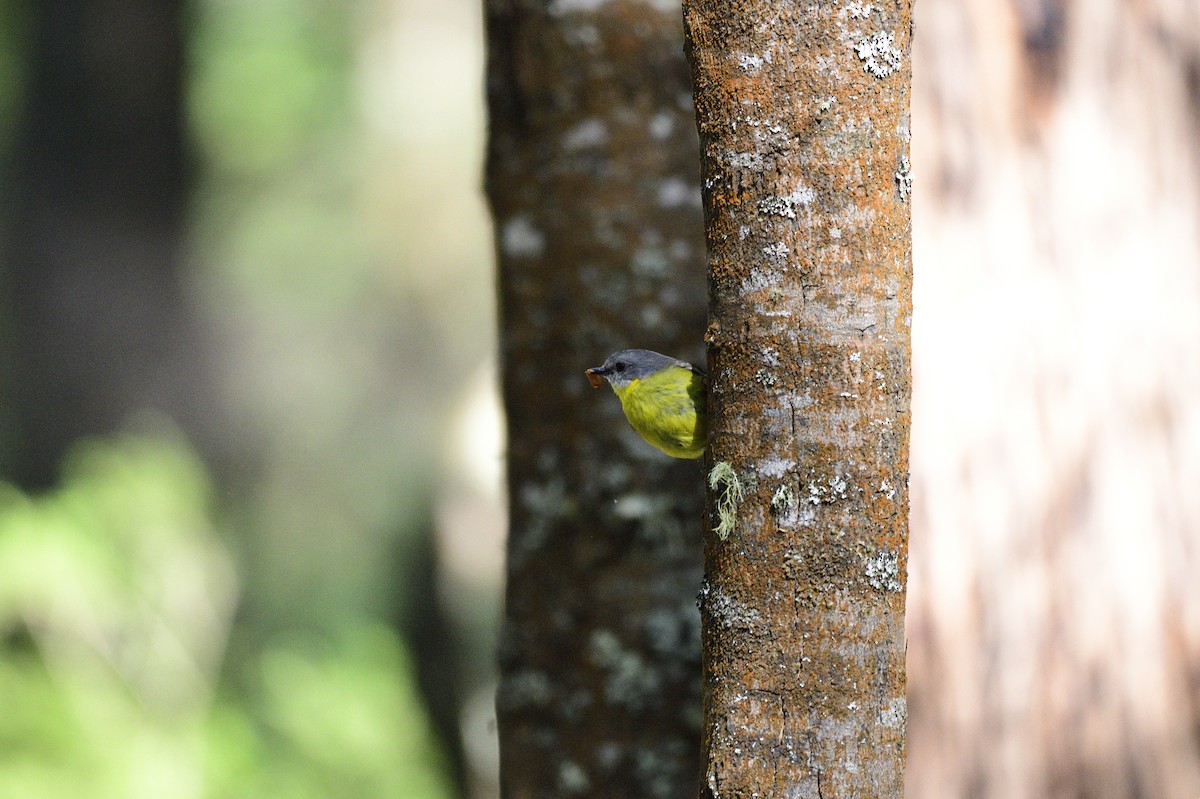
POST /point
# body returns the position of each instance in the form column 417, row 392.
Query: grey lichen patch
column 674, row 632
column 777, row 206
column 572, row 778
column 658, row 526
column 879, row 54
column 724, row 480
column 727, row 611
column 887, row 489
column 774, row 466
column 766, row 378
column 904, row 178
column 757, row 280
column 650, row 261
column 776, row 252
column 749, row 62
column 737, row 160
column 524, row 689
column 786, row 206
column 675, row 192
column 895, row 715
column 630, row 682
column 588, row 134
column 519, row 238
column 661, row 126
column 859, row 10
column 883, row 571
column 830, row 491
column 606, row 286
column 658, row 767
column 609, row 755
column 545, row 504
column 850, row 139
column 561, row 8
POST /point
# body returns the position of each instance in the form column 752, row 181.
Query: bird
column 663, row 399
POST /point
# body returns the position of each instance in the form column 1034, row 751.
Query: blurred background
column 251, row 527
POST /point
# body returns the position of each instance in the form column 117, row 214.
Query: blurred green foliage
column 265, row 76
column 116, row 598
column 347, row 305
column 160, row 637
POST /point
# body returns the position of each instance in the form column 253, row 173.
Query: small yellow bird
column 663, row 399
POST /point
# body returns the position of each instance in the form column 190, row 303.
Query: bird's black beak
column 595, row 376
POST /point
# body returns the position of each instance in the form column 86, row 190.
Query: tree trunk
column 1055, row 618
column 803, row 119
column 594, row 189
column 93, row 226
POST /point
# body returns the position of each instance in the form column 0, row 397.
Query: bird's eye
column 618, row 367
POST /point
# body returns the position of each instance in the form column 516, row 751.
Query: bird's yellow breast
column 667, row 409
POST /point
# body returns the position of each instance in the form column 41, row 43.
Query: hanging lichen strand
column 803, row 117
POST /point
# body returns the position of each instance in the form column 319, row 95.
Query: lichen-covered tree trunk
column 594, row 187
column 803, row 119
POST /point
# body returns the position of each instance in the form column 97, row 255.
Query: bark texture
column 803, row 119
column 593, row 182
column 1055, row 613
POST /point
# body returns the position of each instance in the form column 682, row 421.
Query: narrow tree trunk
column 98, row 326
column 594, row 188
column 803, row 119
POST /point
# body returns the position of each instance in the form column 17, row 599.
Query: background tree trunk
column 593, row 183
column 92, row 230
column 803, row 118
column 1055, row 612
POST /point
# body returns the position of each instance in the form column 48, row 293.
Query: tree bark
column 593, row 182
column 803, row 120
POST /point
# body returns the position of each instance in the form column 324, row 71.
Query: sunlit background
column 296, row 596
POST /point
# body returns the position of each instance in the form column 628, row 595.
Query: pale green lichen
column 784, row 500
column 724, row 480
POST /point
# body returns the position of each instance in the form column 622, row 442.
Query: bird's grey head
column 622, row 368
